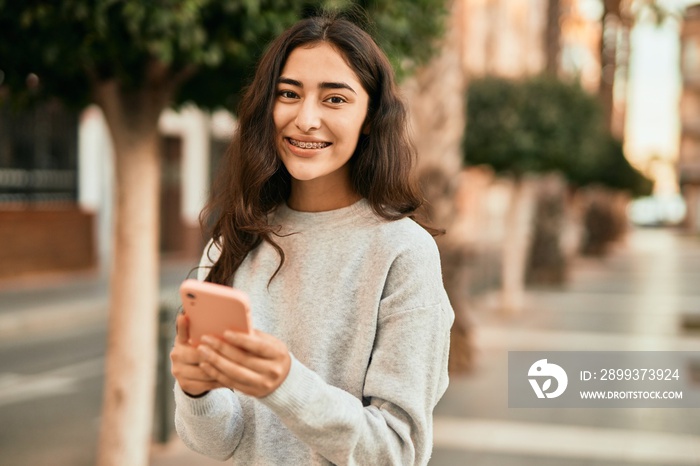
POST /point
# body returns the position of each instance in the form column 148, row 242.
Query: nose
column 309, row 116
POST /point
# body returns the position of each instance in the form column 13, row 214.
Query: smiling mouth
column 308, row 145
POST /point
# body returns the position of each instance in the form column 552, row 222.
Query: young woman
column 312, row 220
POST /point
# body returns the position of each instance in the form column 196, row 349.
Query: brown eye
column 287, row 94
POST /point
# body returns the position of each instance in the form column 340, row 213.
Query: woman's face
column 319, row 113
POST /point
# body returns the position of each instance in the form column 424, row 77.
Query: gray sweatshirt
column 361, row 306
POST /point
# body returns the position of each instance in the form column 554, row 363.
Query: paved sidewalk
column 634, row 299
column 176, row 453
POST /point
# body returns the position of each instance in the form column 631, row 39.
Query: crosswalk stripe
column 16, row 388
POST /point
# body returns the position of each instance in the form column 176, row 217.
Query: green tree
column 543, row 124
column 539, row 125
column 134, row 58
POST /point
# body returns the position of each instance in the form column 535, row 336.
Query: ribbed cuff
column 207, row 405
column 292, row 397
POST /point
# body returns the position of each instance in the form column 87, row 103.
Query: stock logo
column 545, row 372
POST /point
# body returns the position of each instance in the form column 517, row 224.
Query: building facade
column 42, row 227
column 689, row 156
column 57, row 186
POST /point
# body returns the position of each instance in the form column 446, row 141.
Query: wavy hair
column 253, row 181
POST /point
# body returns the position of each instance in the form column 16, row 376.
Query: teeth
column 308, row 145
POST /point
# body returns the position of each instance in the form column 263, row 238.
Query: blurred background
column 558, row 143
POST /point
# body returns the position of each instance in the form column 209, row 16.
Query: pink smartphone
column 212, row 309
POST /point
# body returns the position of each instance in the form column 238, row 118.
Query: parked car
column 657, row 210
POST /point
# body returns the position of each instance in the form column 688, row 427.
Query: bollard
column 164, row 402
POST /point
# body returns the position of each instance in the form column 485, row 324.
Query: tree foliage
column 208, row 47
column 543, row 124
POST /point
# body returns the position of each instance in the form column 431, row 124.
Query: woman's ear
column 365, row 129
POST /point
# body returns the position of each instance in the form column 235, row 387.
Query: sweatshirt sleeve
column 211, row 425
column 406, row 377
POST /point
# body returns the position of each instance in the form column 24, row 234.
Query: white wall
column 96, row 178
column 96, row 173
column 193, row 126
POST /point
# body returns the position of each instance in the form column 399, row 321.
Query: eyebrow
column 323, row 85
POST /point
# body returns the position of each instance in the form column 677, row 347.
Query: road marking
column 16, row 388
column 566, row 441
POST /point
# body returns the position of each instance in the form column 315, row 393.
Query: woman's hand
column 186, row 366
column 254, row 364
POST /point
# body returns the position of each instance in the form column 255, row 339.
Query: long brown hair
column 253, row 181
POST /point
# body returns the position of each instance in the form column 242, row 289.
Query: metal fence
column 38, row 154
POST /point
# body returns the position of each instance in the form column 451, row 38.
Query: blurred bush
column 543, row 124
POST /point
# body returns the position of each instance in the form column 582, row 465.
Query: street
column 50, row 397
column 52, row 348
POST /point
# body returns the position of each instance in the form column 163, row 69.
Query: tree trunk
column 491, row 39
column 552, row 37
column 127, row 415
column 621, row 81
column 516, row 245
column 435, row 97
column 608, row 57
column 605, row 219
column 547, row 262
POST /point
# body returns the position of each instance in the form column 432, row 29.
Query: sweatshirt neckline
column 296, row 218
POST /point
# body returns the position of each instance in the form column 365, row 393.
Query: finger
column 262, row 375
column 235, row 354
column 256, row 388
column 252, row 389
column 185, row 354
column 183, row 329
column 225, row 371
column 258, row 343
column 191, row 373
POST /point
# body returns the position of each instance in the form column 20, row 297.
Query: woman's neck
column 307, row 196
